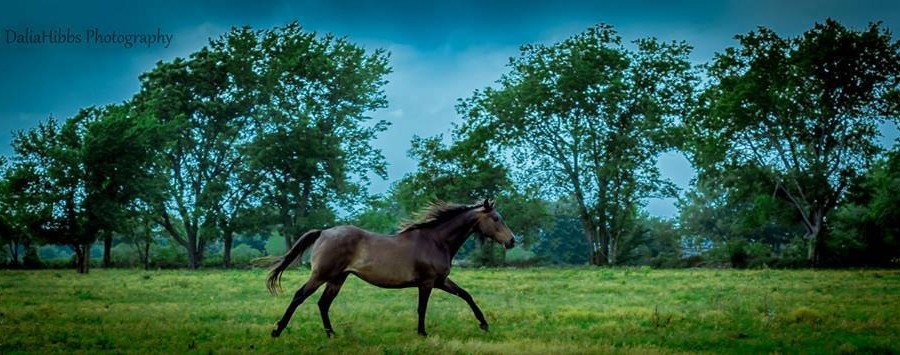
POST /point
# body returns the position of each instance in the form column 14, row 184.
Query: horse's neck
column 455, row 231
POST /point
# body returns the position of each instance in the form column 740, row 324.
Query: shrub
column 31, row 260
column 275, row 245
column 124, row 255
column 168, row 255
column 243, row 254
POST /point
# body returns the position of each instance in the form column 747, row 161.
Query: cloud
column 424, row 88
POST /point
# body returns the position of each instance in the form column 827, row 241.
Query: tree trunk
column 193, row 263
column 146, row 257
column 605, row 257
column 612, row 251
column 811, row 247
column 286, row 227
column 815, row 236
column 107, row 247
column 589, row 234
column 14, row 252
column 30, row 258
column 82, row 254
column 228, row 236
column 814, row 248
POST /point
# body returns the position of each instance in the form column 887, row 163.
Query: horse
column 418, row 256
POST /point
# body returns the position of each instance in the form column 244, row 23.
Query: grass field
column 542, row 310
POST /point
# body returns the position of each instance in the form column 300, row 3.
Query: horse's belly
column 387, row 273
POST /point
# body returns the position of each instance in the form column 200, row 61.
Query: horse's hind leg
column 331, row 291
column 308, row 289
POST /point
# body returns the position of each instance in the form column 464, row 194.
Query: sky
column 440, row 51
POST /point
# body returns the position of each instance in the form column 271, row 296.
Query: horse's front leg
column 424, row 294
column 454, row 289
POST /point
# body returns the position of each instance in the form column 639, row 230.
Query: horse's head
column 490, row 224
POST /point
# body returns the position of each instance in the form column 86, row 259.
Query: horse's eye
column 495, row 218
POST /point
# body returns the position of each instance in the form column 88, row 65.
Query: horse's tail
column 273, row 282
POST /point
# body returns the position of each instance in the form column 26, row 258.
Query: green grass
column 543, row 310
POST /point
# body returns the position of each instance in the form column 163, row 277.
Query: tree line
column 269, row 132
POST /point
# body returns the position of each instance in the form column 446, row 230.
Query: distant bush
column 243, row 254
column 275, row 245
column 125, row 255
column 31, row 260
column 167, row 256
column 520, row 257
column 53, row 252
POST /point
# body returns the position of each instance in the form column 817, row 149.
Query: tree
column 52, row 185
column 138, row 233
column 6, row 228
column 663, row 246
column 469, row 170
column 209, row 101
column 739, row 206
column 587, row 117
column 806, row 109
column 563, row 242
column 382, row 214
column 313, row 142
column 76, row 179
column 13, row 226
column 866, row 227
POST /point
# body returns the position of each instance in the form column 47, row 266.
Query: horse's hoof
column 329, row 333
column 483, row 326
column 276, row 331
column 423, row 334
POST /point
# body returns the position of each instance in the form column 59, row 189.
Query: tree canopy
column 588, row 117
column 806, row 109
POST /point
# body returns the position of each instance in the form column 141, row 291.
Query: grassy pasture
column 541, row 310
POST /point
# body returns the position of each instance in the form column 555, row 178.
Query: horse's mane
column 433, row 214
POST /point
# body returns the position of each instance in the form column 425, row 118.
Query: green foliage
column 207, row 100
column 531, row 311
column 720, row 217
column 519, row 256
column 168, row 255
column 125, row 255
column 464, row 172
column 381, row 215
column 243, row 254
column 75, row 179
column 564, row 242
column 865, row 230
column 587, row 117
column 660, row 245
column 312, row 143
column 275, row 245
column 51, row 252
column 31, row 259
column 805, row 110
column 272, row 128
column 468, row 171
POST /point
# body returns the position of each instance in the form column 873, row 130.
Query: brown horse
column 418, row 256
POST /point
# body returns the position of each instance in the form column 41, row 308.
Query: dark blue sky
column 440, row 51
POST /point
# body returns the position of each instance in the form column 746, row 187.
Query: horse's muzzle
column 510, row 244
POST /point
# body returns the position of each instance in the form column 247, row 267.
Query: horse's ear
column 488, row 205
